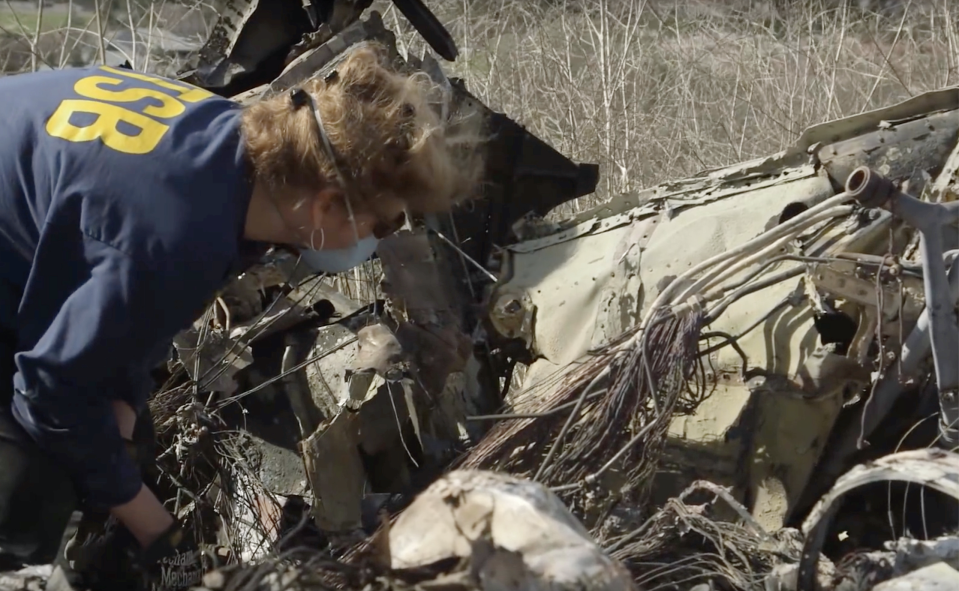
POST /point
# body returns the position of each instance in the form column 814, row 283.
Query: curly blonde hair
column 386, row 133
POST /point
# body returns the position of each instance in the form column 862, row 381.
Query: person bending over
column 126, row 201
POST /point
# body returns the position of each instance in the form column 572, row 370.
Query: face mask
column 341, row 259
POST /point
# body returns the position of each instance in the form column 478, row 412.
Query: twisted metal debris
column 684, row 544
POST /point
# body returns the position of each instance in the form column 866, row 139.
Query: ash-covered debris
column 662, row 393
column 31, row 578
column 468, row 530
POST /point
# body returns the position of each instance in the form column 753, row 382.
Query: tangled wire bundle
column 681, row 544
column 622, row 400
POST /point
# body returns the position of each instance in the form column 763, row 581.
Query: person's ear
column 321, row 205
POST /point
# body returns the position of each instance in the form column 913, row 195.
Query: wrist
column 144, row 517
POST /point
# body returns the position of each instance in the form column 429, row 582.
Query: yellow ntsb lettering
column 187, row 93
column 110, row 104
column 106, row 126
column 90, row 87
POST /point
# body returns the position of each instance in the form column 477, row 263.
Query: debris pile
column 664, row 392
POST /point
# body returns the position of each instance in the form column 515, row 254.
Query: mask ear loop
column 349, row 212
column 322, row 239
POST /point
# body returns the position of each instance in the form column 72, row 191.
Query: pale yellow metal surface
column 771, row 443
column 593, row 284
column 564, row 283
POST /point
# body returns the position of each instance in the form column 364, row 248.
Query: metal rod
column 873, row 190
column 453, row 245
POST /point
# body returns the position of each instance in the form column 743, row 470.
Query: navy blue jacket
column 123, row 199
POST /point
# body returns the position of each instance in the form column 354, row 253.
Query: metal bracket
column 874, row 190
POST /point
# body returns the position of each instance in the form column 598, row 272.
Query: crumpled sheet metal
column 928, row 102
column 707, row 187
column 594, row 285
column 933, row 468
column 607, row 274
column 935, row 577
column 366, row 402
column 516, row 534
column 564, row 284
column 829, row 132
column 318, row 61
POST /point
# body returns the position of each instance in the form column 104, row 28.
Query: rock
column 514, row 533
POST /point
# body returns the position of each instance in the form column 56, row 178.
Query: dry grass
column 150, row 34
column 650, row 89
column 660, row 89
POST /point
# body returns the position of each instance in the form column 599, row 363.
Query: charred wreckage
column 746, row 379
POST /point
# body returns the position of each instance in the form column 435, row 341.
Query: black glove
column 172, row 563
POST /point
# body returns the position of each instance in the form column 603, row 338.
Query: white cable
column 760, row 241
column 709, row 282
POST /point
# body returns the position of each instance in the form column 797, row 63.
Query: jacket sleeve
column 94, row 351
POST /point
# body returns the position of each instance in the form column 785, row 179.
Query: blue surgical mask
column 340, row 259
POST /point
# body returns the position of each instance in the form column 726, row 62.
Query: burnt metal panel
column 524, row 175
column 253, row 40
column 248, row 45
column 914, row 150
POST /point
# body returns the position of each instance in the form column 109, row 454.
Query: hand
column 173, row 562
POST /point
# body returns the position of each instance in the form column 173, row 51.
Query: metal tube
column 873, row 190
